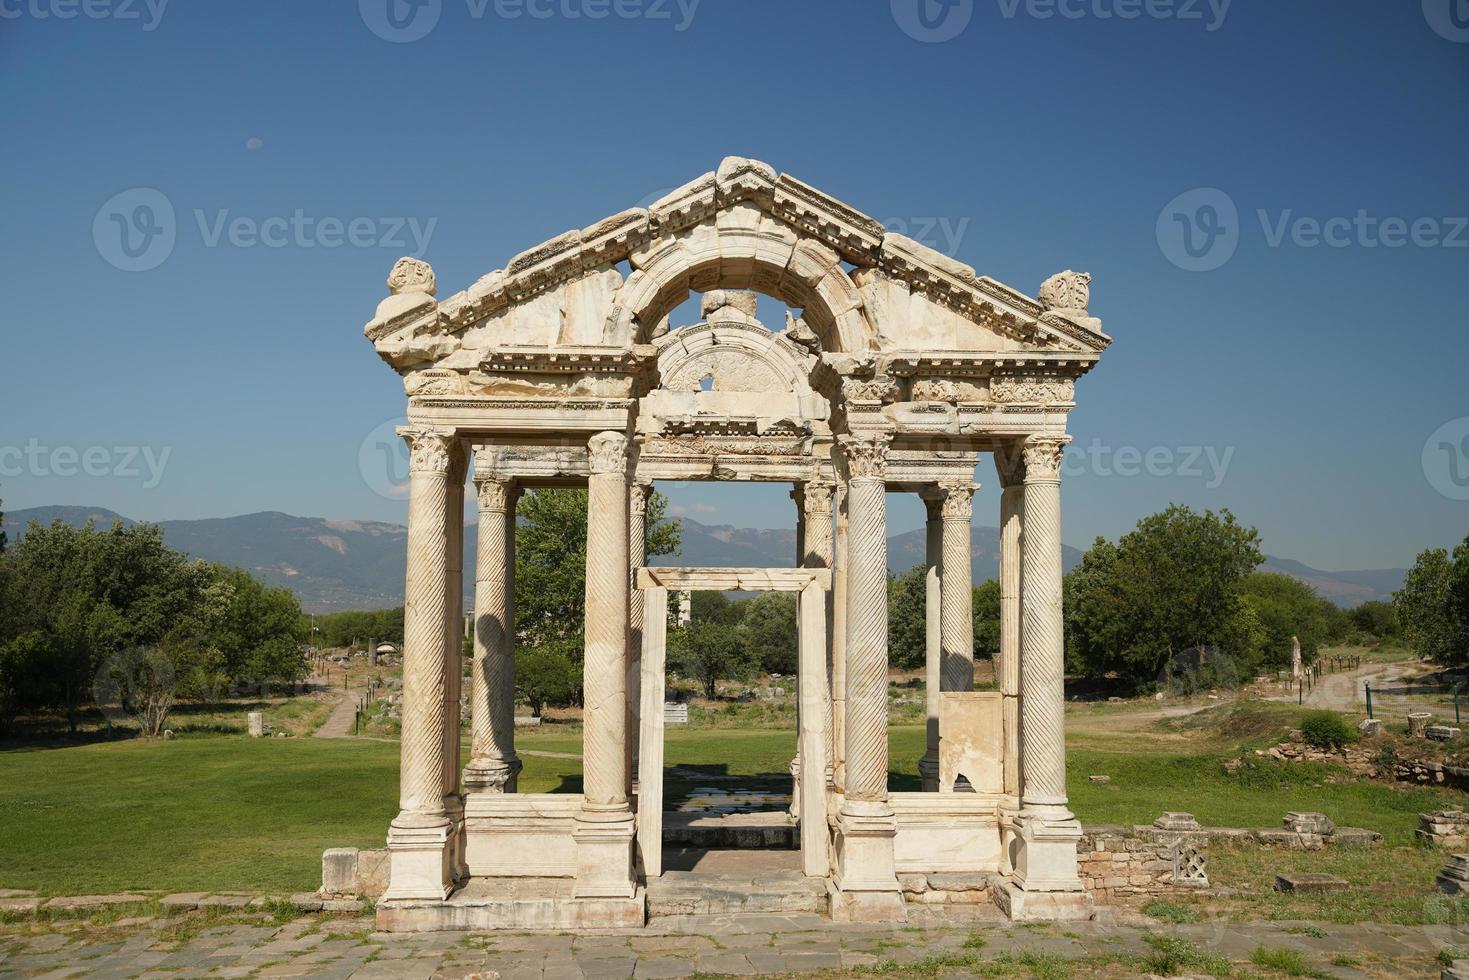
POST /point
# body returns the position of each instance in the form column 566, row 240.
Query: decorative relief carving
column 429, row 450
column 730, row 369
column 1067, row 291
column 867, row 457
column 412, row 275
column 699, row 444
column 869, row 390
column 436, row 383
column 1043, row 457
column 959, row 500
column 1034, row 390
column 935, row 390
column 607, row 453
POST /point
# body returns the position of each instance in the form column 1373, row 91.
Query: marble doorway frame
column 811, row 586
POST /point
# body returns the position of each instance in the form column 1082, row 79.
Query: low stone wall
column 1114, row 863
column 1444, row 828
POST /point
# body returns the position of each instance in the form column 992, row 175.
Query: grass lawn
column 225, row 812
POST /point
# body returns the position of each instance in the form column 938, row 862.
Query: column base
column 866, row 885
column 1009, row 813
column 1020, row 905
column 928, row 772
column 604, row 854
column 1043, row 853
column 458, row 865
column 493, row 775
column 420, row 858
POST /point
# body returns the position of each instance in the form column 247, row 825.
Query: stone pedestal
column 604, row 855
column 866, row 885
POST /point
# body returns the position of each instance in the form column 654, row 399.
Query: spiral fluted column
column 604, row 826
column 838, row 667
column 1042, row 680
column 419, row 837
column 958, row 590
column 494, row 766
column 867, row 621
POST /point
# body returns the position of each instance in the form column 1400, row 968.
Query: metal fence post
column 1368, row 685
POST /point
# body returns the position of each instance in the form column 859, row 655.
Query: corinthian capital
column 430, row 450
column 607, row 452
column 637, row 498
column 816, row 497
column 1043, row 458
column 959, row 501
column 496, row 494
column 867, row 456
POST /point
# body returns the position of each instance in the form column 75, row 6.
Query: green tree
column 1376, row 619
column 255, row 628
column 769, row 628
column 908, row 618
column 987, row 619
column 1432, row 605
column 1286, row 607
column 1169, row 586
column 550, row 563
column 708, row 651
column 546, row 676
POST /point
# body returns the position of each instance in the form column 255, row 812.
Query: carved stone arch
column 743, row 357
column 742, row 248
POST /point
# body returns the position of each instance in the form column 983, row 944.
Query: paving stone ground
column 942, row 943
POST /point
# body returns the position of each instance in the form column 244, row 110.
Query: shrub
column 1326, row 730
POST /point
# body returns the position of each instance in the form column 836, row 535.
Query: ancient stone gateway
column 895, row 370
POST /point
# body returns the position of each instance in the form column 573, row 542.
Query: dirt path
column 339, row 723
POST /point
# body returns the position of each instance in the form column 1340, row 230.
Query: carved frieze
column 1032, row 389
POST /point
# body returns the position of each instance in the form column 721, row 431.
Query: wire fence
column 1392, row 703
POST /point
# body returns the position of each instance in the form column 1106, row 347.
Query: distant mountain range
column 335, row 565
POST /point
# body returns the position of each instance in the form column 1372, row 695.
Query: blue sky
column 1022, row 136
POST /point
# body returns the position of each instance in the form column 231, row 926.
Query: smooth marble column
column 928, row 765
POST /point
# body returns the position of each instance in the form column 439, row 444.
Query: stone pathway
column 942, row 943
